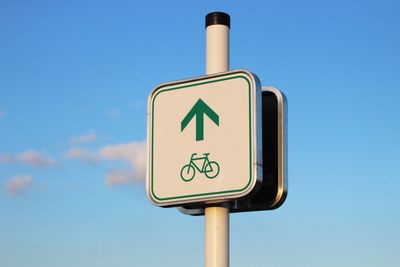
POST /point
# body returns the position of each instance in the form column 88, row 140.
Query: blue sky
column 74, row 81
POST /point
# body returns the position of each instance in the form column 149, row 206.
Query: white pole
column 217, row 48
column 217, row 236
column 217, row 217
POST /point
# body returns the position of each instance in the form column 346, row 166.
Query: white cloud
column 6, row 159
column 122, row 177
column 82, row 155
column 18, row 184
column 132, row 153
column 33, row 158
column 84, row 139
column 113, row 114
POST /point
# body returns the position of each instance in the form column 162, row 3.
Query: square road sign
column 204, row 139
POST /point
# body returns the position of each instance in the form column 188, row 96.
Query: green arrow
column 198, row 110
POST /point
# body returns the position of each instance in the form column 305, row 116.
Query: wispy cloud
column 122, row 177
column 29, row 157
column 113, row 113
column 7, row 159
column 89, row 137
column 2, row 114
column 138, row 104
column 83, row 155
column 35, row 159
column 18, row 184
column 132, row 153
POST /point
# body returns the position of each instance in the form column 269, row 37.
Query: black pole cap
column 218, row 18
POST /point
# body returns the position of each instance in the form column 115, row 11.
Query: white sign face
column 204, row 139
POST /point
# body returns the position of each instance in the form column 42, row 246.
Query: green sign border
column 250, row 137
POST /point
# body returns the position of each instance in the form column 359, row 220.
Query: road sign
column 204, row 139
column 273, row 190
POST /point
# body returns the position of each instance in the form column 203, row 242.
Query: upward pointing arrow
column 198, row 110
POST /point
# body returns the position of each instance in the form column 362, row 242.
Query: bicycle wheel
column 212, row 169
column 187, row 173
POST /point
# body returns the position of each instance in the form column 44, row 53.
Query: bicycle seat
column 206, row 154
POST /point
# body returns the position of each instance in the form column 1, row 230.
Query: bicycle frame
column 205, row 162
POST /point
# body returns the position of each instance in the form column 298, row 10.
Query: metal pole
column 217, row 217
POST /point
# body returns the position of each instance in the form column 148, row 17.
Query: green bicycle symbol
column 209, row 168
